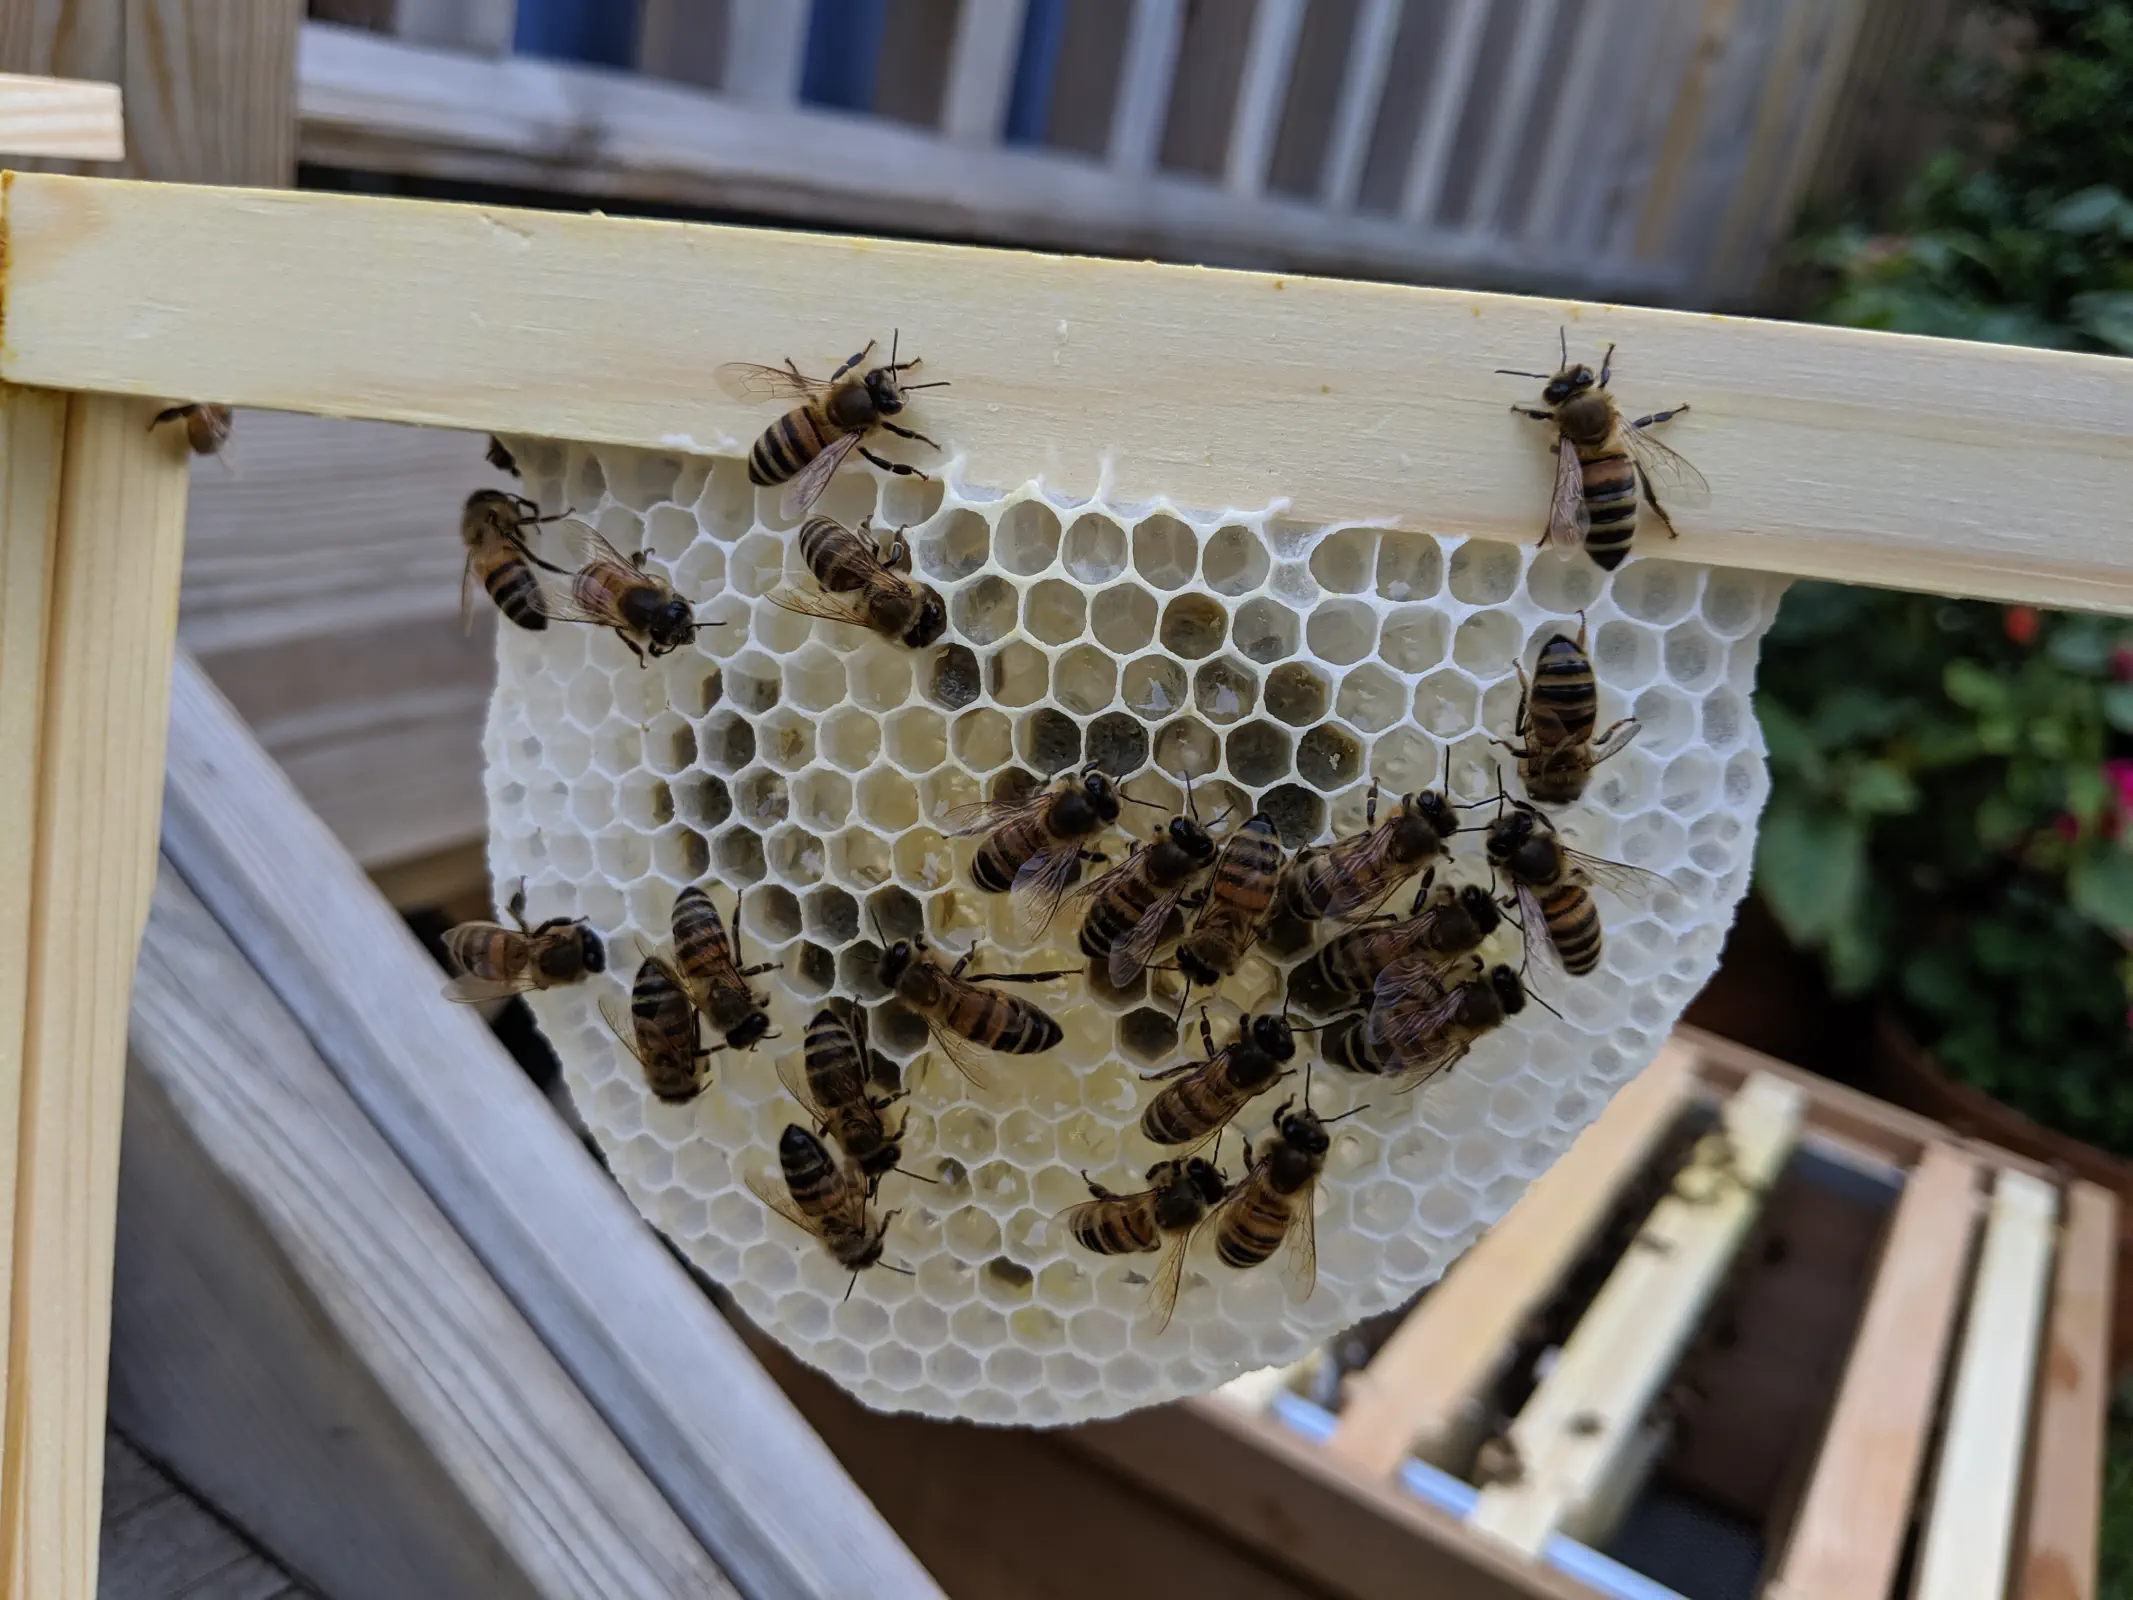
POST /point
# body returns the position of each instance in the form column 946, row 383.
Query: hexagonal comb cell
column 820, row 772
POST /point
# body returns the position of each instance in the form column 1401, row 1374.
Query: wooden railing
column 1653, row 150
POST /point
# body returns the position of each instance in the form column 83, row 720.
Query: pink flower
column 2118, row 773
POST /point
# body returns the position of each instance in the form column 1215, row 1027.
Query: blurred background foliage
column 1948, row 824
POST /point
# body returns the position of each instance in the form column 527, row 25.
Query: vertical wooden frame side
column 112, row 628
column 33, row 425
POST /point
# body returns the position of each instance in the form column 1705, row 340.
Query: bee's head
column 749, row 1033
column 1197, row 843
column 672, row 626
column 932, row 619
column 1568, row 384
column 592, row 954
column 896, row 960
column 1301, row 1130
column 886, row 393
column 1205, row 1180
column 1272, row 1035
column 1437, row 811
column 1508, row 832
column 883, row 1159
column 1510, row 993
column 1102, row 794
column 1480, row 908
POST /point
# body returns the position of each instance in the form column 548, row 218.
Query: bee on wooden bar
column 661, row 1032
column 1239, row 898
column 959, row 1013
column 1601, row 461
column 609, row 590
column 1159, row 1217
column 207, row 427
column 494, row 961
column 1452, row 923
column 492, row 525
column 707, row 966
column 1350, row 878
column 845, row 562
column 1134, row 908
column 1210, row 1092
column 1419, row 1026
column 1557, row 914
column 1034, row 847
column 804, row 448
column 827, row 1198
column 830, row 1082
column 1271, row 1204
column 1557, row 711
column 500, row 457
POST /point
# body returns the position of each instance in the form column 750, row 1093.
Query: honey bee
column 661, row 1032
column 1234, row 911
column 846, row 563
column 1133, row 908
column 804, row 448
column 1553, row 882
column 1159, row 1217
column 492, row 526
column 827, row 1198
column 494, row 961
column 1210, row 1092
column 1350, row 878
column 1557, row 710
column 500, row 457
column 1600, row 462
column 1418, row 1026
column 609, row 590
column 207, row 427
column 1452, row 924
column 1033, row 847
column 830, row 1081
column 1271, row 1204
column 959, row 1013
column 707, row 969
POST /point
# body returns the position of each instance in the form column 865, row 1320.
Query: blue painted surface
column 843, row 50
column 1607, row 1578
column 1029, row 106
column 601, row 33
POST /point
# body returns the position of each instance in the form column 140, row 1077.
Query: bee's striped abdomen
column 1564, row 702
column 1117, row 1228
column 1573, row 919
column 517, row 593
column 1610, row 500
column 789, row 444
column 1255, row 1226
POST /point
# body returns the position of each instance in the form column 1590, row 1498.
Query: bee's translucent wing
column 471, row 989
column 983, row 816
column 624, row 1030
column 588, row 547
column 1299, row 1270
column 750, row 381
column 1667, row 467
column 807, row 488
column 1533, row 925
column 958, row 1051
column 1409, row 1032
column 792, row 1072
column 1163, row 1284
column 1617, row 877
column 1041, row 883
column 1568, row 520
column 807, row 604
column 772, row 1193
column 1131, row 955
column 466, row 596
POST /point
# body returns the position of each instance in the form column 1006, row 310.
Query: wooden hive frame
column 1958, row 468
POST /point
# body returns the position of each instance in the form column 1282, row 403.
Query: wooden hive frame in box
column 1957, row 468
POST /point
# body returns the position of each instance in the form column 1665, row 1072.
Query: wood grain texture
column 160, row 1543
column 1416, row 1394
column 211, row 93
column 1573, row 1433
column 1970, row 1528
column 83, row 40
column 33, row 429
column 724, row 1446
column 112, row 623
column 1960, row 468
column 1850, row 1530
column 61, row 117
column 2062, row 1499
column 301, row 1333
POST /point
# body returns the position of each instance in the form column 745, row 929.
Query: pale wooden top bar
column 1927, row 464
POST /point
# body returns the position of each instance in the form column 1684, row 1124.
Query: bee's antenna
column 895, row 336
column 1514, row 372
column 1562, row 337
column 1537, row 1000
column 1352, row 1111
column 913, row 388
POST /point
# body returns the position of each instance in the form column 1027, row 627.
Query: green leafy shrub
column 1948, row 823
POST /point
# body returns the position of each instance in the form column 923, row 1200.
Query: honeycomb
column 809, row 767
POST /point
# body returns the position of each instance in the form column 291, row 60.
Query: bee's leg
column 1370, row 806
column 632, row 643
column 1652, row 500
column 1093, row 855
column 847, row 367
column 907, row 433
column 1536, row 415
column 1601, row 749
column 517, row 906
column 1207, row 1034
column 903, row 469
column 1658, row 417
column 1607, row 365
column 1011, row 977
column 1171, row 1072
column 1096, row 1190
column 761, row 967
column 1525, row 688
